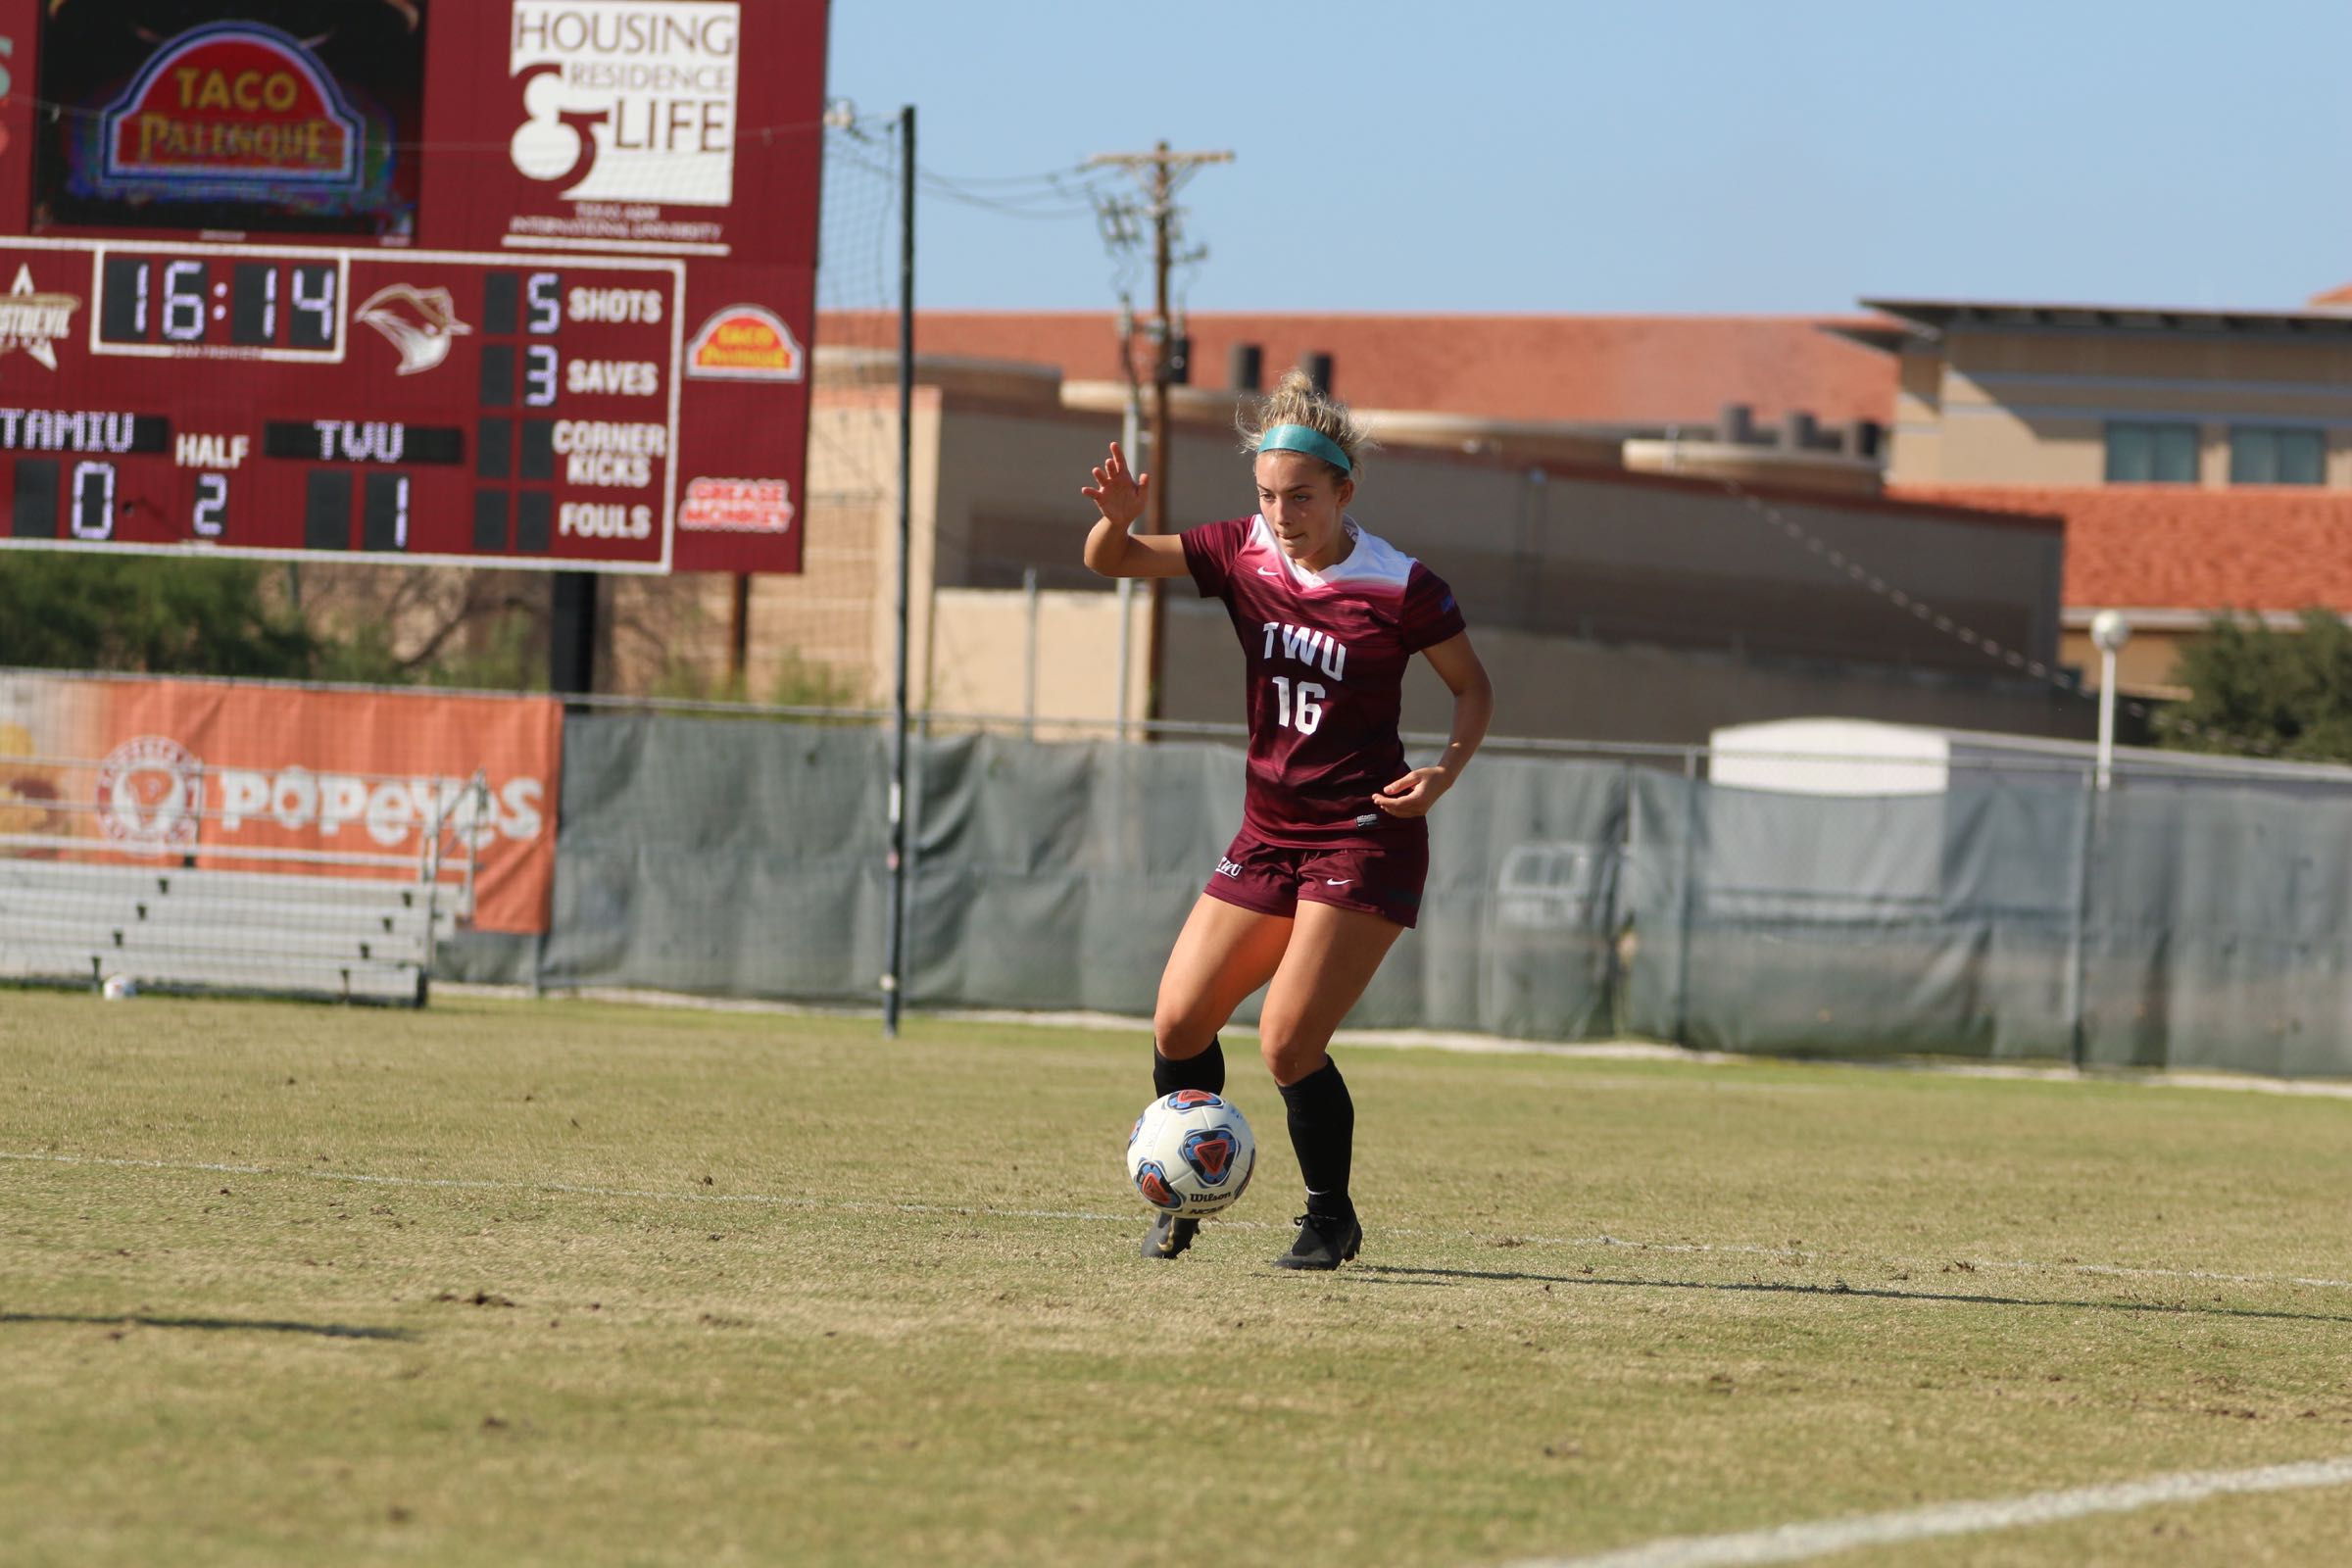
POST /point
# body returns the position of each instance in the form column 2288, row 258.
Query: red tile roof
column 2172, row 547
column 1555, row 369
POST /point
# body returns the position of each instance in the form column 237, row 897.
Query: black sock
column 1322, row 1121
column 1205, row 1071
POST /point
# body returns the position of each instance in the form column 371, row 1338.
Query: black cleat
column 1169, row 1236
column 1324, row 1243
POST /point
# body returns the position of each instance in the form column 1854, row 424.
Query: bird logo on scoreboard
column 421, row 323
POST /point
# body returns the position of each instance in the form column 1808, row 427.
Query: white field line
column 1800, row 1542
column 1600, row 1240
column 1450, row 1040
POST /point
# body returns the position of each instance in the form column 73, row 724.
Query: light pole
column 2110, row 631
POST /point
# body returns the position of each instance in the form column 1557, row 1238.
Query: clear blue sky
column 1692, row 157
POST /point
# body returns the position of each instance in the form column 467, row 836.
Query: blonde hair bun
column 1295, row 400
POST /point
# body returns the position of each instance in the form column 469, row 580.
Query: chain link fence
column 1576, row 891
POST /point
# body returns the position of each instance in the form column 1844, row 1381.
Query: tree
column 2269, row 693
column 60, row 610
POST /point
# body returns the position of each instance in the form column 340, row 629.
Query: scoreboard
column 523, row 283
column 510, row 409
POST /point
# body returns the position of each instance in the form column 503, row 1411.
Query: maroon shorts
column 1382, row 876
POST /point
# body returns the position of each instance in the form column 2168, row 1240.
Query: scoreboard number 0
column 93, row 501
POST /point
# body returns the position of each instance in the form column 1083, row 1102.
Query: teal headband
column 1314, row 443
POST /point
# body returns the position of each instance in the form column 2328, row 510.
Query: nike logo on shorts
column 1336, row 882
column 1268, row 571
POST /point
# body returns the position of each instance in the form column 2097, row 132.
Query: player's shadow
column 1401, row 1274
column 233, row 1325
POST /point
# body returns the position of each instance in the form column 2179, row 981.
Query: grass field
column 508, row 1281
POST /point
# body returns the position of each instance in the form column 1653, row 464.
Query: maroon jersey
column 1327, row 653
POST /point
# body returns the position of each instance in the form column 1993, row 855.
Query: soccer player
column 1326, row 872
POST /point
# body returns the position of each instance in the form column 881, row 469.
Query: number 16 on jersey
column 1301, row 710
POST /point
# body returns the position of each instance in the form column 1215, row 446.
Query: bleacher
column 342, row 938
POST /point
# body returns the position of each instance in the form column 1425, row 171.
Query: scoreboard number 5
column 545, row 292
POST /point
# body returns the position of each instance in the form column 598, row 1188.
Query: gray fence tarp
column 743, row 859
column 748, row 859
column 2012, row 915
column 2218, row 928
column 1861, row 925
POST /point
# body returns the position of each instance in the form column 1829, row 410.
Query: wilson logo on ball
column 1209, row 1153
column 1192, row 1099
column 1153, row 1182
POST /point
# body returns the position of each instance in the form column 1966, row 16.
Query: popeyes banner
column 189, row 771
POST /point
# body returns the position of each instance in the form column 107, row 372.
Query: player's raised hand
column 1119, row 491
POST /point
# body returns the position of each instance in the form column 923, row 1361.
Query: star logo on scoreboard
column 33, row 321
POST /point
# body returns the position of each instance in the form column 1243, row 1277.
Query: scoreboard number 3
column 539, row 376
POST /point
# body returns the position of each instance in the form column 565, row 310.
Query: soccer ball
column 1191, row 1153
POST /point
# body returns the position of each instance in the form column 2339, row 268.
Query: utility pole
column 1161, row 172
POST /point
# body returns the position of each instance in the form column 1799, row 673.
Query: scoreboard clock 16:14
column 279, row 307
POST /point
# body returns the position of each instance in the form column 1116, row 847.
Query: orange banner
column 196, row 770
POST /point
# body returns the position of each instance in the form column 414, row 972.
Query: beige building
column 2201, row 459
column 1608, row 603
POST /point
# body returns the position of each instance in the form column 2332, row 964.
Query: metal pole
column 1164, row 197
column 2106, row 715
column 1029, row 658
column 571, row 634
column 1162, row 334
column 1686, row 913
column 1161, row 170
column 893, row 938
column 738, row 635
column 2109, row 631
column 1128, row 425
column 2078, row 937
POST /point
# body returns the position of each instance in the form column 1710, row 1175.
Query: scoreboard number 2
column 210, row 519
